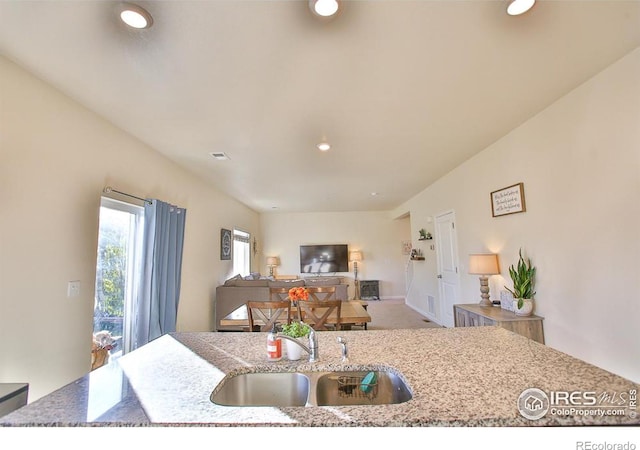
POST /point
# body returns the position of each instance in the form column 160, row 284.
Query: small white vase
column 294, row 351
column 527, row 307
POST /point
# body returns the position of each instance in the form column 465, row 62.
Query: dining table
column 352, row 312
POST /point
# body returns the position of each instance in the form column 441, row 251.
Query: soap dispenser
column 274, row 345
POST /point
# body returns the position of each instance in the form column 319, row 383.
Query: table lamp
column 355, row 257
column 272, row 261
column 484, row 265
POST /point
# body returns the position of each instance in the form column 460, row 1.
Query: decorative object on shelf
column 509, row 200
column 416, row 255
column 526, row 309
column 355, row 257
column 424, row 235
column 225, row 244
column 523, row 277
column 484, row 265
column 294, row 330
column 506, row 300
column 272, row 261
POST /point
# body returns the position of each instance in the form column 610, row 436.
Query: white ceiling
column 403, row 90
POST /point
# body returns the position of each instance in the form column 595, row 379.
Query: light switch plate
column 73, row 289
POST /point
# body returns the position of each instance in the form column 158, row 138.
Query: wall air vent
column 220, row 156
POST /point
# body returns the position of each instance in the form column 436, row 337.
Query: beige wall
column 55, row 159
column 579, row 160
column 377, row 235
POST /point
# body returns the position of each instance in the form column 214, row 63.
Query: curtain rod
column 109, row 189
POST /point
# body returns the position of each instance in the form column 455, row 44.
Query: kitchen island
column 457, row 377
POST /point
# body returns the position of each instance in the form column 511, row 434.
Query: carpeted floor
column 394, row 314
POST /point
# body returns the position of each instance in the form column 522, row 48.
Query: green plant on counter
column 296, row 329
column 523, row 278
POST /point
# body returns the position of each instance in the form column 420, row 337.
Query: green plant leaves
column 523, row 276
column 296, row 329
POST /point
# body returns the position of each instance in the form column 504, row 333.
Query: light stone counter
column 458, row 377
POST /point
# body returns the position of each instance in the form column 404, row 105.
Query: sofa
column 236, row 291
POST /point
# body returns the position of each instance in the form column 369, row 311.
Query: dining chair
column 316, row 313
column 278, row 294
column 322, row 293
column 268, row 313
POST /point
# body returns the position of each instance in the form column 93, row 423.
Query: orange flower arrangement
column 298, row 293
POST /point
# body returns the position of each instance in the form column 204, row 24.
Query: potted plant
column 423, row 234
column 294, row 330
column 523, row 283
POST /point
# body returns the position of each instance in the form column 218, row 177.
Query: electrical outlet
column 73, row 289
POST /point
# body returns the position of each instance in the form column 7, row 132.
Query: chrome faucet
column 312, row 349
column 343, row 342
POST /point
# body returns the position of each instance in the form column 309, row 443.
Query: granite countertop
column 457, row 376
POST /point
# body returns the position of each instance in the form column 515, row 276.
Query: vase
column 527, row 307
column 294, row 351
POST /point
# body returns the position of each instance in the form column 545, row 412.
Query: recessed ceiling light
column 374, row 194
column 323, row 146
column 136, row 16
column 324, row 8
column 517, row 7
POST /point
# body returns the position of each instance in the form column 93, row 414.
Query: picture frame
column 508, row 200
column 225, row 244
column 406, row 247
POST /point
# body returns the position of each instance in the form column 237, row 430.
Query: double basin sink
column 334, row 388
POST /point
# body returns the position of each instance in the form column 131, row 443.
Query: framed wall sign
column 509, row 200
column 225, row 244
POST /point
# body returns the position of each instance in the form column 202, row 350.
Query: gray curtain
column 156, row 306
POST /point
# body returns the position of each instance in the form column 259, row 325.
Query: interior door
column 447, row 257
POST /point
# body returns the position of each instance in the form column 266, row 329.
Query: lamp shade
column 483, row 264
column 272, row 261
column 355, row 256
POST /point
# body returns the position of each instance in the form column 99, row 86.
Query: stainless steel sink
column 336, row 388
column 350, row 388
column 263, row 389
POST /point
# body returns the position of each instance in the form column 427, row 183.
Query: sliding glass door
column 117, row 270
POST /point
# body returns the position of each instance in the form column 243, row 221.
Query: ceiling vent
column 220, row 156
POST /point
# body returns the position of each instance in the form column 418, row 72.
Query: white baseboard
column 425, row 313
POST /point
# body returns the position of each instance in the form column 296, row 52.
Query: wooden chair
column 269, row 313
column 278, row 294
column 315, row 313
column 321, row 293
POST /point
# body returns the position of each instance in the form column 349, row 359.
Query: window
column 117, row 269
column 241, row 252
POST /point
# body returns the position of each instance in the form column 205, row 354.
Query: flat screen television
column 324, row 258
